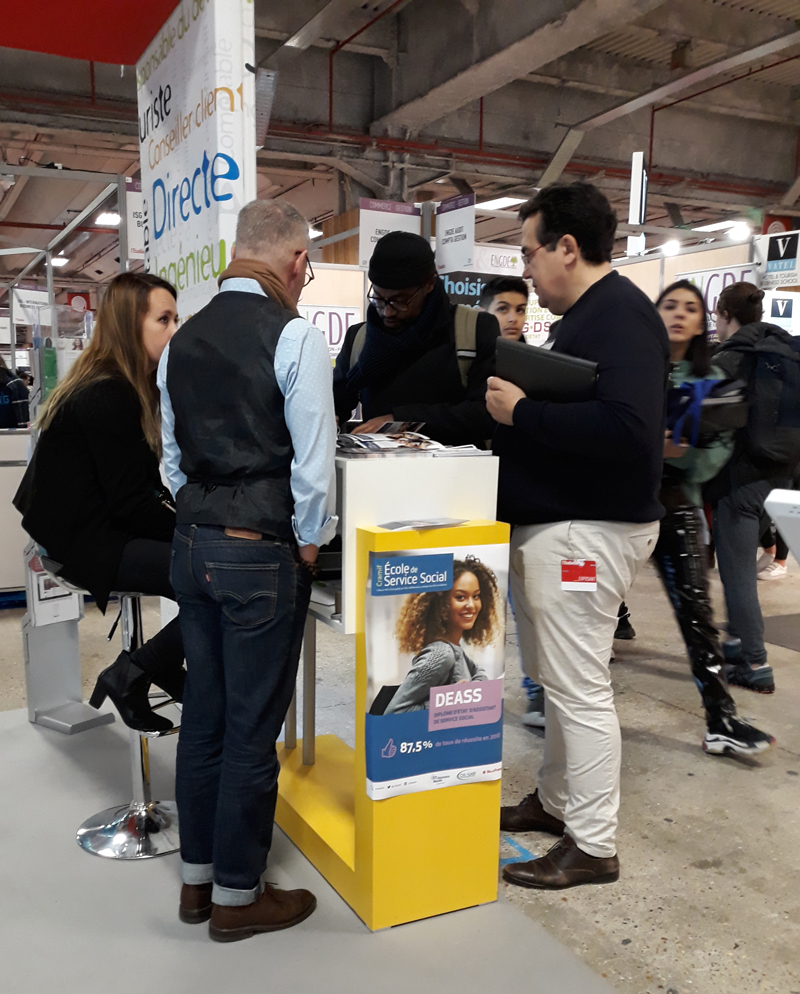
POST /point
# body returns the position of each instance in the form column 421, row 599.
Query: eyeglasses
column 398, row 306
column 528, row 256
column 309, row 273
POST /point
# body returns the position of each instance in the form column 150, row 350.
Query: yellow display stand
column 406, row 857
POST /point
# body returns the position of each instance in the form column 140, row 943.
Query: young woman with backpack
column 680, row 553
column 766, row 455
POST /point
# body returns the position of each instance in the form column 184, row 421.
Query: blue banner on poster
column 400, row 745
column 393, row 575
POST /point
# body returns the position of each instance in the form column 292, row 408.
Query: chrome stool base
column 133, row 831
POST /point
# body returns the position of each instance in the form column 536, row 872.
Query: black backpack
column 771, row 368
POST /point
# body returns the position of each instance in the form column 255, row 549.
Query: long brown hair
column 117, row 349
column 423, row 617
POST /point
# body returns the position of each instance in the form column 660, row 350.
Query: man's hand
column 308, row 553
column 371, row 426
column 501, row 399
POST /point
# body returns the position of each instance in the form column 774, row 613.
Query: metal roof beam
column 575, row 135
column 588, row 20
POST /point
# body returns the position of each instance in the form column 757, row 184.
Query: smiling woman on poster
column 433, row 625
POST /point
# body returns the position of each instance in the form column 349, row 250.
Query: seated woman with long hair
column 433, row 625
column 92, row 496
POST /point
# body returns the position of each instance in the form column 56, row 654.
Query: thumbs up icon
column 389, row 750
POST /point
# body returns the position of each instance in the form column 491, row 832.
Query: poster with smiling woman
column 435, row 634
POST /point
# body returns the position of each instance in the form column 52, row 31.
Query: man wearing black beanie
column 405, row 363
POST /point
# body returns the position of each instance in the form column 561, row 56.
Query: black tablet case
column 545, row 375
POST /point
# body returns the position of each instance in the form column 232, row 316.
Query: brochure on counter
column 397, row 438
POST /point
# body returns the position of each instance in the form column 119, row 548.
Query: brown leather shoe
column 529, row 816
column 275, row 909
column 565, row 865
column 195, row 903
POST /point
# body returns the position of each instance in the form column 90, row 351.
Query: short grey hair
column 266, row 225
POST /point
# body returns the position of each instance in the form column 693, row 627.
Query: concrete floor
column 709, row 897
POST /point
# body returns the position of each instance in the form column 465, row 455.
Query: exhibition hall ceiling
column 431, row 98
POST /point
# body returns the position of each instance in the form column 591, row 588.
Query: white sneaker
column 764, row 560
column 772, row 572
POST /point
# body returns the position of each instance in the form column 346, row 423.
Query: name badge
column 578, row 574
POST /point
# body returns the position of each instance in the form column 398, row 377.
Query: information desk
column 415, row 855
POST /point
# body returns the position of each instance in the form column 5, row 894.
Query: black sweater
column 599, row 460
column 93, row 484
column 429, row 388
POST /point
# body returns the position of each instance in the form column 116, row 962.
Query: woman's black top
column 93, row 485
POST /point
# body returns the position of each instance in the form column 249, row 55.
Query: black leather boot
column 127, row 686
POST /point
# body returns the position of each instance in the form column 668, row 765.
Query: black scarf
column 385, row 352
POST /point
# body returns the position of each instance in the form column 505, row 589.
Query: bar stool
column 143, row 828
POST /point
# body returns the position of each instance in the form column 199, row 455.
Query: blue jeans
column 243, row 607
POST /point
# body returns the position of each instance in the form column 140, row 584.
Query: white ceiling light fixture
column 739, row 232
column 671, row 247
column 59, row 261
column 499, row 203
column 716, row 226
column 108, row 218
column 315, row 233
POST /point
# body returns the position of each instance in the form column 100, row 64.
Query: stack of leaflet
column 401, row 443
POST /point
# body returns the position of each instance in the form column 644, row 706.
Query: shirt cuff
column 321, row 537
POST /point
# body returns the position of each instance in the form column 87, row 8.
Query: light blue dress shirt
column 303, row 372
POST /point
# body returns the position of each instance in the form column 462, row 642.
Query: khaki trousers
column 565, row 639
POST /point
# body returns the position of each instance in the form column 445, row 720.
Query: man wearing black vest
column 249, row 437
column 580, row 483
column 407, row 363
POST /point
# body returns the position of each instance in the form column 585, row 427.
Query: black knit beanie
column 401, row 260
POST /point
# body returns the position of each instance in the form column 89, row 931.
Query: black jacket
column 601, row 459
column 94, row 484
column 734, row 357
column 429, row 388
column 13, row 400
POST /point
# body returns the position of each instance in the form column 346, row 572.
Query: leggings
column 680, row 557
column 144, row 569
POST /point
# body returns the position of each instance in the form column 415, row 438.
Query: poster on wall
column 783, row 309
column 196, row 143
column 133, row 206
column 455, row 233
column 435, row 634
column 377, row 218
column 333, row 322
column 776, row 256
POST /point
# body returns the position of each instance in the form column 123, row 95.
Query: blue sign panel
column 394, row 575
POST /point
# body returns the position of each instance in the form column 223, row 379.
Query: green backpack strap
column 358, row 344
column 466, row 328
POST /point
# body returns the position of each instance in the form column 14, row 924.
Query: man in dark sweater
column 579, row 482
column 404, row 366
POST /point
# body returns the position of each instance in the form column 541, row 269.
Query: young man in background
column 507, row 298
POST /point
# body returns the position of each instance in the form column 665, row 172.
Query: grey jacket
column 437, row 665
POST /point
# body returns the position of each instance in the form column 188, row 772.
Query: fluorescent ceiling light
column 739, row 232
column 716, row 226
column 111, row 218
column 671, row 247
column 500, row 202
column 315, row 233
column 58, row 260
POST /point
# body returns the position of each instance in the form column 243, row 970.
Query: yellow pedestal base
column 403, row 858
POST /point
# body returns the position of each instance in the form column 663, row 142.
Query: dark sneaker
column 529, row 816
column 727, row 735
column 273, row 910
column 565, row 865
column 625, row 629
column 534, row 712
column 195, row 904
column 757, row 678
